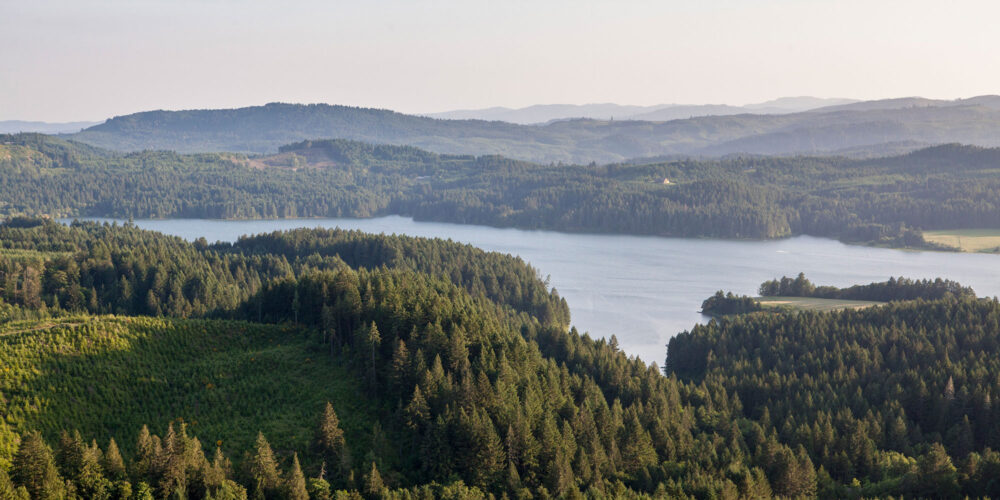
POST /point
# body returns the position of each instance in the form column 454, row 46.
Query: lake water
column 647, row 289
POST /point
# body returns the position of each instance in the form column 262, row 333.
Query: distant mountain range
column 867, row 128
column 17, row 126
column 544, row 113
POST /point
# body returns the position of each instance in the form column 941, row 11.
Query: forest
column 894, row 289
column 885, row 201
column 336, row 364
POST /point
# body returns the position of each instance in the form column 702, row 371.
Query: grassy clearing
column 814, row 304
column 107, row 376
column 966, row 240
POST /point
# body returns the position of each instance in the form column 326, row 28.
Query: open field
column 814, row 304
column 966, row 240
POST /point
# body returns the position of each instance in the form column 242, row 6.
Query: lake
column 645, row 289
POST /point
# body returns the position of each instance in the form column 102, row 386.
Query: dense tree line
column 898, row 397
column 886, row 201
column 448, row 385
column 895, row 289
column 728, row 303
column 176, row 466
column 122, row 269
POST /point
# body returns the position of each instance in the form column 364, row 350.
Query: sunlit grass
column 814, row 304
column 966, row 240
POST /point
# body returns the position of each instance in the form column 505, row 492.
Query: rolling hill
column 861, row 127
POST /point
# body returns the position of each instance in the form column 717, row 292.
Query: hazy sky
column 64, row 60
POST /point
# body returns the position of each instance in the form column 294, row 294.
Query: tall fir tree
column 34, row 468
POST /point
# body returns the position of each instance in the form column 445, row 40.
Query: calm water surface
column 646, row 289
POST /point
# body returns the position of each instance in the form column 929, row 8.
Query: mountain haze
column 18, row 126
column 863, row 127
column 544, row 113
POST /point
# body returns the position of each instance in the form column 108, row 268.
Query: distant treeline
column 895, row 289
column 724, row 304
column 885, row 201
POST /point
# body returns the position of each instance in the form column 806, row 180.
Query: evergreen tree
column 372, row 340
column 418, row 413
column 295, row 485
column 264, row 469
column 113, row 464
column 145, row 455
column 373, row 483
column 90, row 481
column 330, row 440
column 937, row 477
column 34, row 468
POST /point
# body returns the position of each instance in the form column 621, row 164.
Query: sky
column 68, row 60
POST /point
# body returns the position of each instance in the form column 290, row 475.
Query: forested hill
column 885, row 201
column 332, row 364
column 263, row 129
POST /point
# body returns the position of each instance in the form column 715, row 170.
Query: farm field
column 966, row 240
column 814, row 304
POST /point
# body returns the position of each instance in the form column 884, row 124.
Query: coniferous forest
column 885, row 201
column 185, row 313
column 337, row 364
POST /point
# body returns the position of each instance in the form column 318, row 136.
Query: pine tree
column 216, row 473
column 490, row 456
column 69, row 457
column 295, row 485
column 372, row 340
column 637, row 447
column 35, row 469
column 937, row 477
column 113, row 464
column 373, row 483
column 90, row 481
column 145, row 455
column 328, row 322
column 330, row 439
column 400, row 362
column 172, row 464
column 418, row 413
column 264, row 468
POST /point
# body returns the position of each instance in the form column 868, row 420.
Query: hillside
column 262, row 129
column 227, row 380
column 886, row 201
column 445, row 383
column 456, row 386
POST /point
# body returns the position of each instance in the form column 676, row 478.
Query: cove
column 644, row 289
